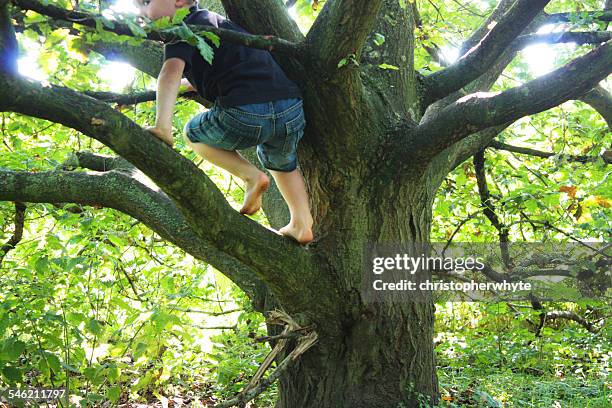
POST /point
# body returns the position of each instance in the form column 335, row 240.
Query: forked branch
column 341, row 29
column 479, row 111
column 477, row 60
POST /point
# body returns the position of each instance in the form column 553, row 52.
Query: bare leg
column 256, row 181
column 292, row 187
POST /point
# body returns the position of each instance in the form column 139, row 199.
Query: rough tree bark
column 373, row 161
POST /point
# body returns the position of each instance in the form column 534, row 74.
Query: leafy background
column 97, row 302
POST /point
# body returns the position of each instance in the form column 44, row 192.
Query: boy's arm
column 168, row 83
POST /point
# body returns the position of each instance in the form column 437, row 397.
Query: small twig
column 214, row 327
column 459, row 226
column 179, row 309
column 295, row 334
column 20, row 209
column 549, row 225
column 489, row 208
column 132, row 99
column 258, row 384
column 566, row 315
column 538, row 153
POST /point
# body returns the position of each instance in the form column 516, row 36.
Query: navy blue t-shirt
column 239, row 75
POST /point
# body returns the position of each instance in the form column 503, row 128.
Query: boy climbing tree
column 254, row 104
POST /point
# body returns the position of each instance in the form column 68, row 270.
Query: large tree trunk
column 373, row 354
column 382, row 358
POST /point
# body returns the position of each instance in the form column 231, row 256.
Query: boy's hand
column 164, row 134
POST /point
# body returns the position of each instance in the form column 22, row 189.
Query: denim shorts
column 274, row 127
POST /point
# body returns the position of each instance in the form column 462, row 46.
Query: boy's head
column 155, row 9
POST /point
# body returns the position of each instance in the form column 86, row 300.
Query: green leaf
column 12, row 374
column 93, row 374
column 351, row 58
column 379, row 39
column 136, row 29
column 94, row 327
column 205, row 50
column 180, row 15
column 42, row 265
column 102, row 22
column 120, row 242
column 114, row 393
column 44, row 367
column 160, row 321
column 99, row 25
column 11, row 349
column 113, row 373
column 161, row 23
column 388, row 66
column 54, row 362
column 214, row 38
column 144, row 381
column 71, row 368
column 185, row 33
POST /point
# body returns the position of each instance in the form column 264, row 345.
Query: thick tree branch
column 8, row 42
column 486, row 80
column 97, row 162
column 457, row 154
column 266, row 17
column 341, row 29
column 529, row 37
column 480, row 57
column 394, row 24
column 168, row 35
column 118, row 190
column 568, row 17
column 240, row 274
column 199, row 199
column 270, row 17
column 480, row 111
column 580, row 38
column 146, row 56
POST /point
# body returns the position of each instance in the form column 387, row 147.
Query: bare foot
column 252, row 198
column 302, row 235
column 164, row 135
